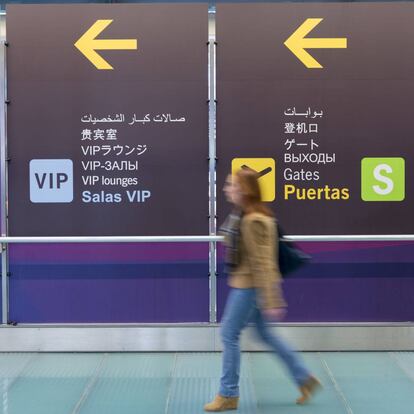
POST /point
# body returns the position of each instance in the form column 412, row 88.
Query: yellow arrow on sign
column 297, row 43
column 88, row 44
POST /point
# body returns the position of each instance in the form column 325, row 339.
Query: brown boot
column 308, row 389
column 221, row 403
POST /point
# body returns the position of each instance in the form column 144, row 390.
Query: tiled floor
column 143, row 383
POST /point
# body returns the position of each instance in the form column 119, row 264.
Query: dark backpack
column 291, row 258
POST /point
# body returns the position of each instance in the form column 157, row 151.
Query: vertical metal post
column 3, row 184
column 212, row 162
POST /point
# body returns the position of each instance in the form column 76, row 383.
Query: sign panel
column 324, row 91
column 107, row 122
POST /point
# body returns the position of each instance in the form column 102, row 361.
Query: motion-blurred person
column 255, row 280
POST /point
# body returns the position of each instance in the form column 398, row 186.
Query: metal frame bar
column 196, row 239
column 212, row 166
column 112, row 239
column 352, row 238
column 4, row 184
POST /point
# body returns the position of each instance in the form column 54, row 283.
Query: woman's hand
column 275, row 314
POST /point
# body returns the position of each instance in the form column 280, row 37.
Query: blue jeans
column 241, row 308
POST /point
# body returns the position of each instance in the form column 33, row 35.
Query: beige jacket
column 258, row 267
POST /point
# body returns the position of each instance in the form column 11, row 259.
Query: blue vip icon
column 51, row 181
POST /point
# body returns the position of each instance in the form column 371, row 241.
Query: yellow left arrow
column 298, row 42
column 88, row 44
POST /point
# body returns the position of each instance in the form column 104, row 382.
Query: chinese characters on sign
column 303, row 154
column 108, row 133
column 113, row 164
column 302, row 98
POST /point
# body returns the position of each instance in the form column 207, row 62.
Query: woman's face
column 232, row 190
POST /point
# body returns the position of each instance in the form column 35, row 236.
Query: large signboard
column 318, row 99
column 107, row 122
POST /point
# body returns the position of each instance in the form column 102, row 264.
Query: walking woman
column 256, row 295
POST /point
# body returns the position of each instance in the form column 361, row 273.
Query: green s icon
column 383, row 179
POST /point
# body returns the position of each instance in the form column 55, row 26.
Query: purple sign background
column 169, row 283
column 350, row 282
column 319, row 124
column 108, row 283
column 365, row 93
column 136, row 135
